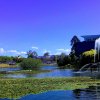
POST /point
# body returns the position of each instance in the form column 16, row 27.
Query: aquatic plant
column 12, row 88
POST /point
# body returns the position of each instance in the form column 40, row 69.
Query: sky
column 45, row 25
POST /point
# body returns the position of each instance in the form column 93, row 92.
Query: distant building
column 87, row 44
column 47, row 59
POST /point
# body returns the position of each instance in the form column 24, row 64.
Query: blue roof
column 91, row 36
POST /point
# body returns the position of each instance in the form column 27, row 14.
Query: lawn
column 14, row 88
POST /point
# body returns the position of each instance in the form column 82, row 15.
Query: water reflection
column 53, row 73
column 91, row 93
column 48, row 67
column 10, row 69
column 56, row 73
column 77, row 93
column 94, row 74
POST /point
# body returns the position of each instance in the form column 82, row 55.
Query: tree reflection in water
column 91, row 93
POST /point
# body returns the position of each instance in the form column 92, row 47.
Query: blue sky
column 45, row 25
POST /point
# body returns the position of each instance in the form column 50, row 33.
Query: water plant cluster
column 12, row 88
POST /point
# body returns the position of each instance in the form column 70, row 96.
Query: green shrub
column 30, row 63
column 87, row 57
column 63, row 61
column 4, row 59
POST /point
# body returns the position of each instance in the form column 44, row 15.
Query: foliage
column 87, row 57
column 63, row 60
column 30, row 63
column 76, row 62
column 73, row 57
column 74, row 40
column 18, row 59
column 32, row 54
column 46, row 54
column 62, row 55
column 4, row 59
column 68, row 61
column 12, row 88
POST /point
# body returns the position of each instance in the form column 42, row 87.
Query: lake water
column 54, row 72
column 91, row 93
column 10, row 69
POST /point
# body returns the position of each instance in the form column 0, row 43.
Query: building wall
column 81, row 47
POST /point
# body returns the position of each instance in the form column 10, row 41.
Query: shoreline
column 8, row 66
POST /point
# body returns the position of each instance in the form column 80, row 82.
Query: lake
column 91, row 93
column 54, row 72
column 10, row 69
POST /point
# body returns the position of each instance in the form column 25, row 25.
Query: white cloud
column 2, row 51
column 22, row 52
column 61, row 50
column 16, row 52
column 13, row 51
column 64, row 50
column 35, row 48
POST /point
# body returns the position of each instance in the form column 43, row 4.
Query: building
column 47, row 59
column 86, row 45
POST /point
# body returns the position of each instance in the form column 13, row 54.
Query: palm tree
column 32, row 54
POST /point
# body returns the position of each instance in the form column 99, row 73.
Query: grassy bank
column 7, row 66
column 12, row 88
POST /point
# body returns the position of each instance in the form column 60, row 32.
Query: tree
column 4, row 59
column 74, row 40
column 73, row 57
column 46, row 54
column 18, row 59
column 62, row 55
column 32, row 54
column 74, row 60
column 57, row 57
column 62, row 61
column 30, row 64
